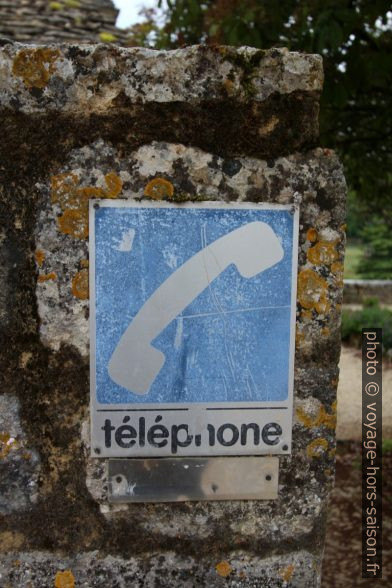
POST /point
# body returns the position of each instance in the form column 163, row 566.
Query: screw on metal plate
column 96, row 205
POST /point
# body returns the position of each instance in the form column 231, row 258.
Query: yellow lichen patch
column 39, row 257
column 312, row 291
column 287, row 573
column 317, row 447
column 10, row 541
column 306, row 316
column 337, row 269
column 159, row 188
column 63, row 187
column 299, row 337
column 73, row 200
column 64, row 579
column 325, row 331
column 229, row 86
column 80, row 285
column 269, row 126
column 323, row 253
column 73, row 223
column 312, row 235
column 47, row 277
column 114, row 185
column 224, row 569
column 321, row 419
column 7, row 443
column 35, row 66
column 84, row 263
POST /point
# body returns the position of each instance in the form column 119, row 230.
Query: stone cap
column 104, row 78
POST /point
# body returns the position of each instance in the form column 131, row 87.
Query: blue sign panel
column 192, row 306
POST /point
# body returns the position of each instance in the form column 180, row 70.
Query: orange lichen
column 159, row 188
column 39, row 257
column 337, row 269
column 7, row 443
column 80, row 285
column 312, row 235
column 229, row 86
column 269, row 126
column 35, row 66
column 325, row 331
column 84, row 263
column 306, row 316
column 312, row 291
column 224, row 569
column 287, row 573
column 10, row 541
column 73, row 200
column 114, row 185
column 321, row 419
column 323, row 253
column 73, row 223
column 299, row 337
column 47, row 277
column 317, row 447
column 64, row 579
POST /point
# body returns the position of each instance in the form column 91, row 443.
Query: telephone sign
column 192, row 328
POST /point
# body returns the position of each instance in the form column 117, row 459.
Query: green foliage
column 386, row 446
column 107, row 37
column 55, row 6
column 353, row 256
column 371, row 316
column 377, row 261
column 355, row 39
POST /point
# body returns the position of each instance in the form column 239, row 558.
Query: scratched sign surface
column 192, row 325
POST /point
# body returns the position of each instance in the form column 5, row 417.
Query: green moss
column 72, row 3
column 248, row 64
column 55, row 6
column 107, row 37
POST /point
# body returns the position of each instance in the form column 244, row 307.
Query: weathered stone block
column 194, row 124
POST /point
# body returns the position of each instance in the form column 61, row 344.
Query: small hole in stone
column 268, row 478
column 118, row 479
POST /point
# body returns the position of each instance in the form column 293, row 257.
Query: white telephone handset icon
column 252, row 248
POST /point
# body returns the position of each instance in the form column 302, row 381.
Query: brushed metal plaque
column 181, row 479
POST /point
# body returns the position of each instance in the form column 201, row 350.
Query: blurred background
column 355, row 39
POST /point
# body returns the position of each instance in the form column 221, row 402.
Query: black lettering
column 175, row 442
column 142, row 432
column 211, row 435
column 256, row 433
column 125, row 432
column 108, row 432
column 270, row 433
column 221, row 438
column 157, row 432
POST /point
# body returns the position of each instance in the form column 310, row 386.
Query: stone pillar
column 202, row 123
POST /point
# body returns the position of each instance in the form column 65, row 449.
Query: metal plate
column 192, row 318
column 181, row 479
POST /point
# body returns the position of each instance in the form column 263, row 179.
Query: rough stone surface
column 19, row 465
column 160, row 569
column 63, row 146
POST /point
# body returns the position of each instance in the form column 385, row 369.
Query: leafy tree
column 355, row 39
